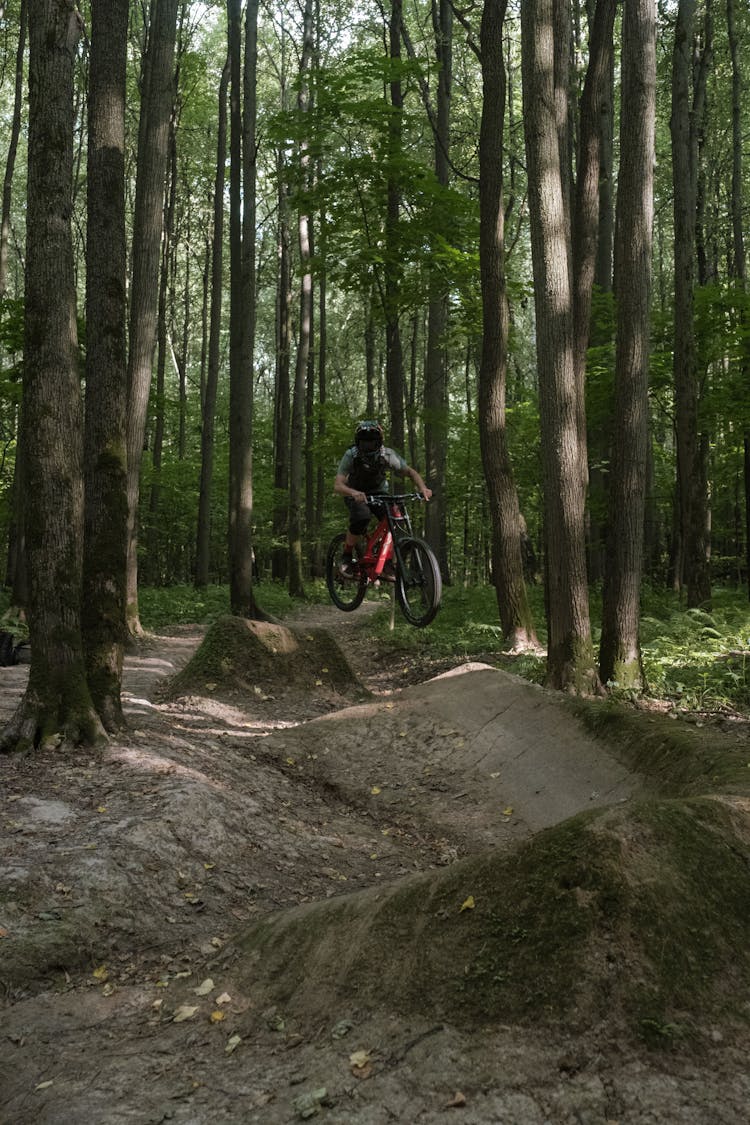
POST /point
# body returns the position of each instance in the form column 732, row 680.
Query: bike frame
column 382, row 542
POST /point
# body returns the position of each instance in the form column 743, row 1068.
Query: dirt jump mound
column 261, row 662
column 638, row 918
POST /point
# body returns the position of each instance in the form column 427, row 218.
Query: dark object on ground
column 9, row 650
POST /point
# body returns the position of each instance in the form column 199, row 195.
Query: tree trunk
column 205, row 505
column 436, row 370
column 56, row 706
column 394, row 359
column 105, row 455
column 282, row 397
column 296, row 583
column 738, row 270
column 687, row 111
column 157, row 98
column 10, row 160
column 507, row 565
column 620, row 653
column 570, row 657
column 242, row 179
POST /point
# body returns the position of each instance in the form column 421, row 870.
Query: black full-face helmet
column 368, row 438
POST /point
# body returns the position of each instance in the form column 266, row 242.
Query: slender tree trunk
column 243, row 156
column 570, row 657
column 56, row 706
column 436, row 369
column 620, row 653
column 205, row 505
column 10, row 160
column 394, row 360
column 282, row 396
column 157, row 99
column 507, row 565
column 687, row 89
column 296, row 583
column 738, row 271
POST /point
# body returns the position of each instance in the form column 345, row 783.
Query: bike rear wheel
column 346, row 593
column 419, row 586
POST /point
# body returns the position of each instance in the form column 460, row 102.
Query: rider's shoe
column 389, row 572
column 346, row 569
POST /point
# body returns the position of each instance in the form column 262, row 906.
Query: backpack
column 368, row 470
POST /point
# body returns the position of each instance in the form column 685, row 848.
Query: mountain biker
column 362, row 471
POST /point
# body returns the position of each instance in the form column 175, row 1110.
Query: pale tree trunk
column 157, row 98
column 105, row 455
column 242, row 312
column 570, row 656
column 205, row 500
column 282, row 414
column 56, row 706
column 436, row 368
column 296, row 583
column 507, row 564
column 394, row 358
column 620, row 652
column 688, row 92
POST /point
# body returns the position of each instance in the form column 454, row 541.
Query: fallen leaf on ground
column 204, row 988
column 375, row 790
column 102, row 973
column 467, row 904
column 458, row 1099
column 217, row 1016
column 44, row 1085
column 232, row 1044
column 184, row 1012
column 225, row 998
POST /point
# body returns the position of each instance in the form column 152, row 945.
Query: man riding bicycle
column 363, row 471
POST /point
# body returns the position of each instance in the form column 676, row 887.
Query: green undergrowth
column 637, row 915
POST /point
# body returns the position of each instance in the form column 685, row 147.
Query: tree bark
column 688, row 88
column 105, row 454
column 507, row 565
column 157, row 98
column 56, row 706
column 394, row 358
column 436, row 368
column 10, row 160
column 296, row 582
column 205, row 505
column 620, row 652
column 570, row 658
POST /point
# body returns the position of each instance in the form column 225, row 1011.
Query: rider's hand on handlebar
column 427, row 493
column 359, row 497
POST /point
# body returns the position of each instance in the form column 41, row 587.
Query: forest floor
column 130, row 879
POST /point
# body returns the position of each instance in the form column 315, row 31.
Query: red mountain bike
column 390, row 552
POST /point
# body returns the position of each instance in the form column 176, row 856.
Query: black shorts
column 360, row 514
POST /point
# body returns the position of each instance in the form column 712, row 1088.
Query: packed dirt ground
column 264, row 903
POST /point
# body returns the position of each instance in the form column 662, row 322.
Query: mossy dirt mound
column 636, row 916
column 262, row 661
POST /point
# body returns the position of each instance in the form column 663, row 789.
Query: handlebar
column 391, row 498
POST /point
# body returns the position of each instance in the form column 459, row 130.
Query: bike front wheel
column 419, row 586
column 347, row 592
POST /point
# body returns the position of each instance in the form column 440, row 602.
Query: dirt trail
column 125, row 875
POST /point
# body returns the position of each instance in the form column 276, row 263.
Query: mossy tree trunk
column 56, row 706
column 105, row 458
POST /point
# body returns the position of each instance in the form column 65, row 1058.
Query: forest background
column 515, row 235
